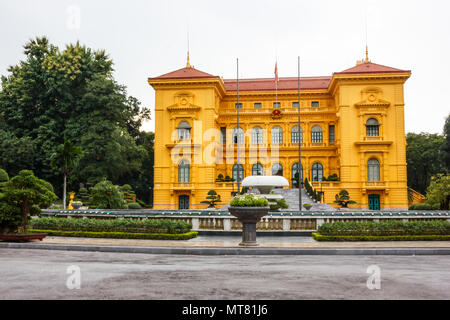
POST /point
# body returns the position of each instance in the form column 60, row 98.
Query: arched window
column 277, row 169
column 372, row 128
column 238, row 176
column 184, row 130
column 277, row 135
column 295, row 135
column 257, row 135
column 237, row 136
column 257, row 169
column 316, row 134
column 184, row 169
column 373, row 170
column 296, row 175
column 317, row 172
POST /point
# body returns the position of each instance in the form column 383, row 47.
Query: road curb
column 216, row 251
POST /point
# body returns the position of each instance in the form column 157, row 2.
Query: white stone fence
column 274, row 222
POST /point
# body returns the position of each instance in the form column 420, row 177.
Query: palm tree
column 65, row 158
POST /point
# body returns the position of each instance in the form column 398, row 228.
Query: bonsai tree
column 105, row 195
column 22, row 197
column 343, row 199
column 65, row 158
column 213, row 198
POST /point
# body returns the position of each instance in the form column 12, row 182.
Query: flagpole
column 238, row 129
column 299, row 144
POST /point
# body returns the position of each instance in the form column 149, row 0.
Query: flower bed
column 385, row 228
column 388, row 230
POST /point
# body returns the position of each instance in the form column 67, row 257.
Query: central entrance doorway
column 183, row 202
column 374, row 202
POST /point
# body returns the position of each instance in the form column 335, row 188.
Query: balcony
column 185, row 186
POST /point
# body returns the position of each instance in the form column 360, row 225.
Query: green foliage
column 3, row 176
column 213, row 198
column 424, row 158
column 320, row 237
column 17, row 153
column 105, row 195
column 134, row 206
column 248, row 200
column 114, row 225
column 343, row 199
column 423, row 206
column 56, row 95
column 120, row 235
column 280, row 204
column 446, row 145
column 385, row 228
column 333, row 177
column 21, row 198
column 438, row 192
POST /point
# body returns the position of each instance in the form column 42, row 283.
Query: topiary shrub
column 134, row 205
column 21, row 198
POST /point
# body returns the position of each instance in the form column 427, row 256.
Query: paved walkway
column 233, row 241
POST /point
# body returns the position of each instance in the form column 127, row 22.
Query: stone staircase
column 291, row 197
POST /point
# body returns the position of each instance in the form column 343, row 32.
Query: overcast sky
column 149, row 38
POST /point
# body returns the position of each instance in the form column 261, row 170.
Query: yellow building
column 352, row 127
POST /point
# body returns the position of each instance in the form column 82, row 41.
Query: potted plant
column 249, row 209
column 77, row 204
column 307, row 206
column 20, row 198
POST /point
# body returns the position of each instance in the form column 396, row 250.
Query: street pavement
column 48, row 274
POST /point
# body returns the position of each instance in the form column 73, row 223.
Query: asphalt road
column 43, row 274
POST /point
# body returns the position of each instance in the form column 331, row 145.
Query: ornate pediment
column 184, row 101
column 372, row 97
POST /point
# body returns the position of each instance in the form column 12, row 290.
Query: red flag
column 276, row 72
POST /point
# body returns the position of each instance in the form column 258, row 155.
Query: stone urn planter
column 249, row 218
column 307, row 206
column 76, row 206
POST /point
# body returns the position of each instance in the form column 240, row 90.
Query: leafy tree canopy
column 55, row 95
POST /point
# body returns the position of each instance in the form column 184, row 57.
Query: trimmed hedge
column 116, row 225
column 385, row 228
column 320, row 237
column 118, row 235
column 424, row 206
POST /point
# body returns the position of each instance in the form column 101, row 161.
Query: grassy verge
column 119, row 235
column 320, row 237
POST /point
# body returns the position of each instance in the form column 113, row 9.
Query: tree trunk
column 64, row 191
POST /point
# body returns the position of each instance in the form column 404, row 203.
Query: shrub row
column 385, row 228
column 119, row 235
column 424, row 206
column 116, row 225
column 320, row 237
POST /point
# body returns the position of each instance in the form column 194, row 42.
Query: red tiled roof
column 369, row 67
column 184, row 73
column 268, row 84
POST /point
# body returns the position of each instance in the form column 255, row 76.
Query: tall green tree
column 424, row 159
column 55, row 95
column 64, row 159
column 446, row 146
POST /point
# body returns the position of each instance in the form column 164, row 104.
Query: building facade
column 352, row 135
